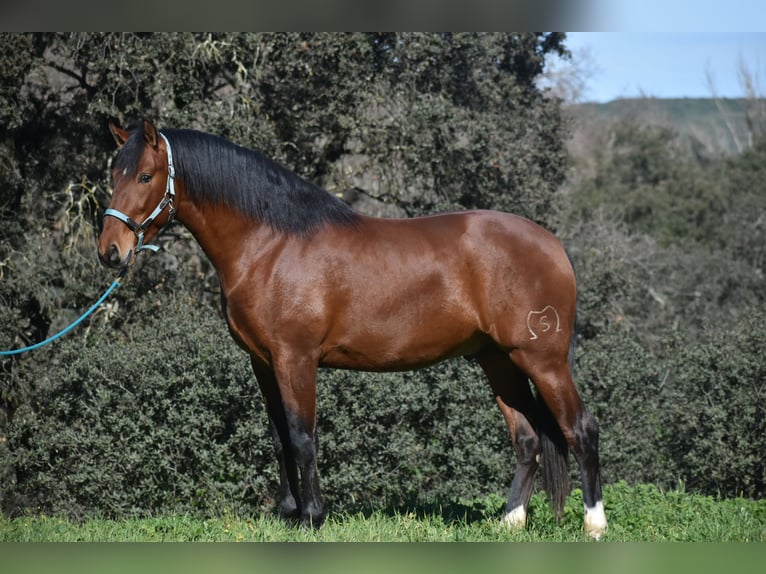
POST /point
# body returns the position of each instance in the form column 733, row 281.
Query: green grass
column 635, row 513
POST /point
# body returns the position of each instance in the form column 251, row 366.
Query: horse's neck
column 222, row 233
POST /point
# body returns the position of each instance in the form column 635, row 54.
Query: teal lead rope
column 95, row 306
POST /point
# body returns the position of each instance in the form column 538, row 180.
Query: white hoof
column 595, row 520
column 516, row 518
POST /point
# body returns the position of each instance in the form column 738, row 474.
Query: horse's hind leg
column 553, row 380
column 514, row 397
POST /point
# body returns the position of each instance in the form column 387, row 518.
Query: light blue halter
column 167, row 200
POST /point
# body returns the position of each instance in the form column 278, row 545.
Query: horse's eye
column 144, row 178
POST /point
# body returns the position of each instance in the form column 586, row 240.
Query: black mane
column 217, row 171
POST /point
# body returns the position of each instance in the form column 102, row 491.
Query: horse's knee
column 303, row 440
column 304, row 449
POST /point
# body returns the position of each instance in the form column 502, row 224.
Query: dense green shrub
column 164, row 417
column 669, row 252
column 620, row 382
column 715, row 402
column 388, row 440
column 167, row 417
column 692, row 413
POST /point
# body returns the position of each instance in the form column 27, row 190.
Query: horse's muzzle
column 111, row 258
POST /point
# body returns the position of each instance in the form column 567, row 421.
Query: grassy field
column 636, row 514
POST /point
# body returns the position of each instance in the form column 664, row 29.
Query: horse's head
column 142, row 201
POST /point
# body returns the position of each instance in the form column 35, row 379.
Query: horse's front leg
column 289, row 484
column 296, row 378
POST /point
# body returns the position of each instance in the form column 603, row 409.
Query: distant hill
column 709, row 126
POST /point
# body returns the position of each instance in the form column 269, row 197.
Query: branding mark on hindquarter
column 543, row 321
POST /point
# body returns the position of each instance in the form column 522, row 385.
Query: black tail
column 555, row 459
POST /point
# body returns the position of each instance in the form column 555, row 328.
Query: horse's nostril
column 111, row 257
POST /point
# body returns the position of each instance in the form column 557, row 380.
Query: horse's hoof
column 312, row 522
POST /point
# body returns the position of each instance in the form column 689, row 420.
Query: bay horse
column 307, row 282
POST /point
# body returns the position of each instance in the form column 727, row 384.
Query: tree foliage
column 669, row 249
column 686, row 233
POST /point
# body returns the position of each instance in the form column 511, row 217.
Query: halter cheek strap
column 167, row 200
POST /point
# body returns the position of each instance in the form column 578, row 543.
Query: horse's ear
column 119, row 135
column 150, row 133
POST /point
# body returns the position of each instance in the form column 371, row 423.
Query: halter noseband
column 167, row 200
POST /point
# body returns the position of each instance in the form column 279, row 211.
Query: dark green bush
column 715, row 410
column 620, row 382
column 164, row 415
column 167, row 417
column 692, row 413
column 388, row 440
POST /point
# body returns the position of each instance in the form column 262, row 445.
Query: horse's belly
column 404, row 352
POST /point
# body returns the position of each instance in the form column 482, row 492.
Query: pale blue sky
column 670, row 64
column 667, row 48
column 677, row 15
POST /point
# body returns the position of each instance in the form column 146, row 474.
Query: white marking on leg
column 595, row 520
column 516, row 518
